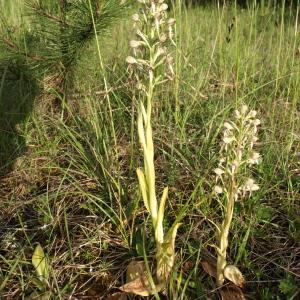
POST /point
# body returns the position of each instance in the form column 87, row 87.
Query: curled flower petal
column 228, row 139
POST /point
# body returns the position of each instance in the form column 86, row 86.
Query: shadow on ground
column 17, row 93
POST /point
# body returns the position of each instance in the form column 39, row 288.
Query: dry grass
column 75, row 191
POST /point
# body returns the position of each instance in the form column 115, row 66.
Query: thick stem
column 223, row 236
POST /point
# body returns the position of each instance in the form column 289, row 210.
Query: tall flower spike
column 151, row 65
column 153, row 35
column 232, row 183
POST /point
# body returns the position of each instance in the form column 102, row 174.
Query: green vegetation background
column 68, row 176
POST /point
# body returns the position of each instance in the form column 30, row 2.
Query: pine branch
column 60, row 30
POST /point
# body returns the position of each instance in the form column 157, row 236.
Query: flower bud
column 171, row 21
column 163, row 7
column 131, row 60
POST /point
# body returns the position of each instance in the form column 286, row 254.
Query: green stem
column 223, row 236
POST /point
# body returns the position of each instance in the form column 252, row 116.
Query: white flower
column 252, row 113
column 135, row 17
column 163, row 38
column 134, row 44
column 218, row 189
column 171, row 21
column 160, row 51
column 250, row 186
column 256, row 122
column 163, row 7
column 218, row 171
column 131, row 60
column 237, row 114
column 254, row 159
column 228, row 139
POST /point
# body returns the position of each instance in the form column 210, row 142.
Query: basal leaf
column 40, row 262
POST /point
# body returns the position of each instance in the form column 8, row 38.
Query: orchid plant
column 151, row 65
column 236, row 156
